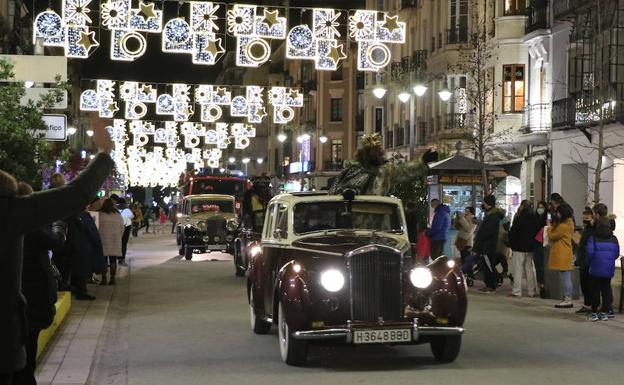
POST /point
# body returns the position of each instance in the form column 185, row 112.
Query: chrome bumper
column 347, row 333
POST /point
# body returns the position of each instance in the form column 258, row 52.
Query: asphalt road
column 177, row 322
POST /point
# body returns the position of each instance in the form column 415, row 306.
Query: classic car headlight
column 332, row 280
column 216, row 238
column 232, row 225
column 201, row 226
column 255, row 250
column 450, row 263
column 421, row 277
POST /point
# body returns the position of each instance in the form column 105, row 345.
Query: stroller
column 475, row 268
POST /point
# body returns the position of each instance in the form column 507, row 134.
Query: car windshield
column 319, row 216
column 225, row 186
column 212, row 206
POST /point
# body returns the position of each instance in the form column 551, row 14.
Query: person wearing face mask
column 541, row 217
column 560, row 233
column 521, row 236
column 580, row 261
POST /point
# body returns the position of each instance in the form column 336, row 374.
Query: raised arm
column 44, row 207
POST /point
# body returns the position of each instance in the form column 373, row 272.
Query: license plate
column 216, row 247
column 381, row 336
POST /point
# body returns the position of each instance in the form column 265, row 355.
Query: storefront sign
column 460, row 179
column 56, row 127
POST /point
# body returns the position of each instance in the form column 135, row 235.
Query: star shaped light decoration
column 336, row 53
column 147, row 89
column 391, row 23
column 221, row 92
column 270, row 17
column 87, row 40
column 112, row 107
column 146, row 11
column 294, row 94
column 214, row 47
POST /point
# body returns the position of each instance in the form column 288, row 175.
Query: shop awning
column 459, row 162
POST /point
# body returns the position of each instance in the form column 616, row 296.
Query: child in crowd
column 601, row 253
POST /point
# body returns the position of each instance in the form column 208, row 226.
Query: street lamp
column 281, row 137
column 300, row 139
column 89, row 133
column 305, row 137
column 404, row 96
column 323, row 139
column 420, row 89
column 379, row 92
column 245, row 162
column 71, row 130
column 445, row 94
column 232, row 159
column 260, row 160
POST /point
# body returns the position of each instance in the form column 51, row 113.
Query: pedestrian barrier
column 63, row 305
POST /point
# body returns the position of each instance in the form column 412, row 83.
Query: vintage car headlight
column 255, row 250
column 216, row 238
column 421, row 277
column 201, row 226
column 232, row 225
column 332, row 280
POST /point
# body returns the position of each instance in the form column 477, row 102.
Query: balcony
column 567, row 9
column 537, row 118
column 456, row 36
column 537, row 14
column 562, row 114
column 416, row 63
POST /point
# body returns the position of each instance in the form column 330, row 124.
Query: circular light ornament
column 140, row 140
column 286, row 114
column 213, row 113
column 404, row 97
column 177, row 31
column 258, row 50
column 332, row 280
column 300, row 37
column 379, row 92
column 421, row 277
column 378, row 55
column 48, row 24
column 133, row 38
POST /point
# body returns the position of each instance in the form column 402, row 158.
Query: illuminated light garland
column 251, row 30
column 177, row 36
column 372, row 35
column 180, row 102
column 76, row 12
column 48, row 25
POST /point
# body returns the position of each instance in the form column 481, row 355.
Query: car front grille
column 376, row 285
column 215, row 227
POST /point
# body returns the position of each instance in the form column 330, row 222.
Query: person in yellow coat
column 560, row 232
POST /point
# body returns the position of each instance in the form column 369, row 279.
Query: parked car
column 339, row 268
column 207, row 222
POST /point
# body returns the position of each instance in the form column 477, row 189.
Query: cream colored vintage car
column 207, row 222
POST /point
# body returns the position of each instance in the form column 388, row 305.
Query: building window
column 336, row 151
column 458, row 22
column 336, row 109
column 515, row 7
column 513, row 88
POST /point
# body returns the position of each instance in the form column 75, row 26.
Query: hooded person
column 486, row 240
column 438, row 231
column 602, row 251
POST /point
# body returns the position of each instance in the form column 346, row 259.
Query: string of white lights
column 180, row 102
column 202, row 35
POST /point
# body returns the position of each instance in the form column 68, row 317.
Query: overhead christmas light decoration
column 252, row 29
column 127, row 24
column 145, row 163
column 180, row 102
column 371, row 35
column 70, row 31
column 319, row 43
column 253, row 26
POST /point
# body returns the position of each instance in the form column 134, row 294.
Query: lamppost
column 419, row 89
column 246, row 162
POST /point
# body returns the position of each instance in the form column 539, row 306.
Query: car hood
column 343, row 243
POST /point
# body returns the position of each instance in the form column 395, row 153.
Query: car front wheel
column 188, row 253
column 258, row 325
column 446, row 348
column 293, row 352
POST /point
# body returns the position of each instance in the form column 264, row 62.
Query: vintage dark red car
column 340, row 268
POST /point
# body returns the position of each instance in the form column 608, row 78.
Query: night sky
column 157, row 66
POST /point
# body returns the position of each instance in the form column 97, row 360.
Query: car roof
column 209, row 196
column 319, row 197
